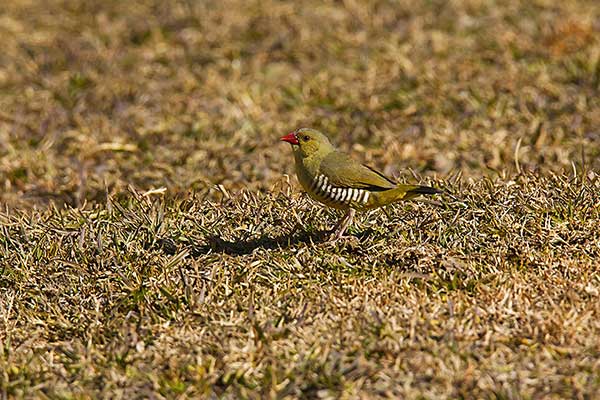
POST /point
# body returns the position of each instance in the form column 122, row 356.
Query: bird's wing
column 343, row 171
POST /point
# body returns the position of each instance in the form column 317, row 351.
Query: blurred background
column 96, row 96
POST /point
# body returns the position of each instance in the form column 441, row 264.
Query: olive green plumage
column 315, row 156
column 335, row 179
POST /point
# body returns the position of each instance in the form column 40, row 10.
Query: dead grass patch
column 152, row 246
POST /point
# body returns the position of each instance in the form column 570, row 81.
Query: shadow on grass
column 214, row 244
column 242, row 247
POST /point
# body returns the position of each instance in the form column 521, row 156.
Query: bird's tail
column 412, row 191
column 417, row 190
column 400, row 192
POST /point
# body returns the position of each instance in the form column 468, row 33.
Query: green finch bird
column 335, row 179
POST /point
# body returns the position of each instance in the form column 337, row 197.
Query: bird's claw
column 335, row 237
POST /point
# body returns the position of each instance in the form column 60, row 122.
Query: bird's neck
column 308, row 164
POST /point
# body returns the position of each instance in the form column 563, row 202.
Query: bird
column 335, row 179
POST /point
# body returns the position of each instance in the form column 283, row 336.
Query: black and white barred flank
column 343, row 195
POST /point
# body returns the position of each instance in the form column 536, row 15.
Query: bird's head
column 310, row 142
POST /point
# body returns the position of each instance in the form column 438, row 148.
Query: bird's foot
column 338, row 232
column 335, row 237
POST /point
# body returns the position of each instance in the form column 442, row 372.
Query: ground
column 155, row 243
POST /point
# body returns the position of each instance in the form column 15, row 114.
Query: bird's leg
column 343, row 224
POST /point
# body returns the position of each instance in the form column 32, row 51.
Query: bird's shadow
column 215, row 244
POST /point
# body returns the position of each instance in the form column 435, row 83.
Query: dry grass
column 111, row 289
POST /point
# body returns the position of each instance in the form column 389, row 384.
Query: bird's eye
column 305, row 138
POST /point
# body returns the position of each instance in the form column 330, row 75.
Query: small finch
column 333, row 178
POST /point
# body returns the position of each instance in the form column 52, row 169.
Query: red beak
column 290, row 138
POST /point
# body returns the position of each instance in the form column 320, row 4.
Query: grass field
column 154, row 242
